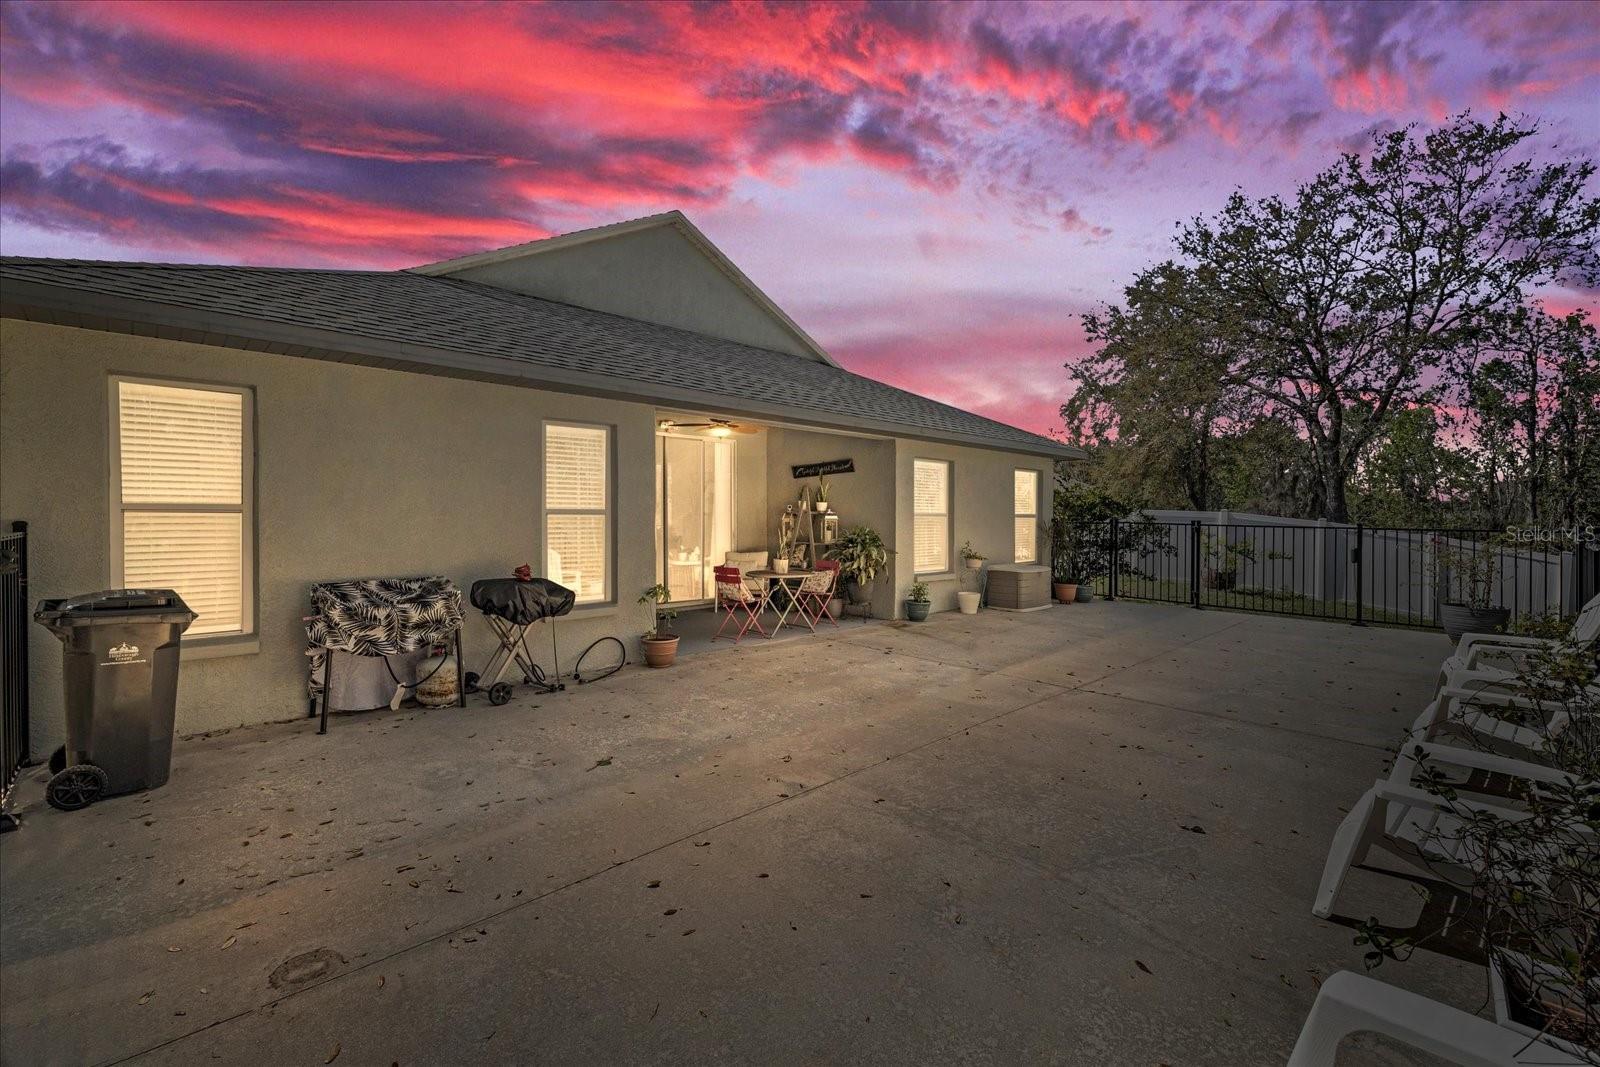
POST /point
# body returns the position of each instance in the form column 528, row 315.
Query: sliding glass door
column 694, row 512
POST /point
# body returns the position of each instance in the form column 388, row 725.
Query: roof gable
column 659, row 269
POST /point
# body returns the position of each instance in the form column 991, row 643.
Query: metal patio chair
column 740, row 604
column 817, row 590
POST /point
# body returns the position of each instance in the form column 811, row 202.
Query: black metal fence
column 1358, row 574
column 13, row 655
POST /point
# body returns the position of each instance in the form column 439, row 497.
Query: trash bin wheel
column 499, row 693
column 58, row 760
column 470, row 680
column 76, row 787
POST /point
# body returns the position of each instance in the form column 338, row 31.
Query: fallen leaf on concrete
column 232, row 940
column 602, row 762
column 334, row 1054
column 653, row 885
column 1140, row 964
column 380, row 981
column 146, row 998
column 689, row 931
column 1192, row 829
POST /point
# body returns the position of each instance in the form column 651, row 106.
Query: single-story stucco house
column 239, row 433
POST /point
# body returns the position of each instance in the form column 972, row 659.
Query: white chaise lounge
column 1350, row 1003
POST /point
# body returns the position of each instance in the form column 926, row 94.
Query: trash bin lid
column 113, row 601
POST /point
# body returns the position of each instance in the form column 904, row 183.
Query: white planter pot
column 822, row 505
column 1500, row 995
column 968, row 602
column 780, row 566
column 974, row 564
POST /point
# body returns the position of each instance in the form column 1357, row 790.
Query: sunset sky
column 934, row 191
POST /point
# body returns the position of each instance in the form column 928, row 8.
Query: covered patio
column 1086, row 835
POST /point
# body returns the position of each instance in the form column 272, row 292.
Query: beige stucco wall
column 655, row 274
column 981, row 512
column 863, row 498
column 360, row 472
column 750, row 492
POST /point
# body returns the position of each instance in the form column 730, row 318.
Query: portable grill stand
column 511, row 605
column 513, row 637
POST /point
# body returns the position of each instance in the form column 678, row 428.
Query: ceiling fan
column 713, row 427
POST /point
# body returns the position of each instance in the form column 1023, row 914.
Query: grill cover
column 383, row 616
column 521, row 602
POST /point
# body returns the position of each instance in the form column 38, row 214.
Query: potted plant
column 660, row 643
column 788, row 533
column 861, row 554
column 822, row 494
column 1222, row 559
column 972, row 557
column 917, row 603
column 1085, row 561
column 1466, row 577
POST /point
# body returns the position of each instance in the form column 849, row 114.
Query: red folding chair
column 741, row 604
column 817, row 591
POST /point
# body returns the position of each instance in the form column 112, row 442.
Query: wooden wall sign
column 832, row 466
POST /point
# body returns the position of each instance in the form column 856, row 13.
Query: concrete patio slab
column 1088, row 835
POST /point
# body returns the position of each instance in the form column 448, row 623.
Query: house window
column 182, row 499
column 931, row 516
column 1025, row 515
column 577, row 509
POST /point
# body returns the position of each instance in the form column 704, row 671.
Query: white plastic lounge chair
column 1506, row 652
column 1417, row 826
column 1408, row 823
column 1414, row 755
column 1350, row 1003
column 1474, row 707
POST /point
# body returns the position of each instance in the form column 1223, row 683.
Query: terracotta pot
column 1066, row 592
column 661, row 651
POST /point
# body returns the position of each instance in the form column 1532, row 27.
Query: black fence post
column 14, row 710
column 1194, row 563
column 1114, row 552
column 1357, row 560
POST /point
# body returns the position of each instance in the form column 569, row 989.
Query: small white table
column 791, row 581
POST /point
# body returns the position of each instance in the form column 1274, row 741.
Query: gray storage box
column 1019, row 586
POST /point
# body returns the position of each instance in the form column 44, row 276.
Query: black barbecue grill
column 511, row 606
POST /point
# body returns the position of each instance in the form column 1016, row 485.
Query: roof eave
column 38, row 302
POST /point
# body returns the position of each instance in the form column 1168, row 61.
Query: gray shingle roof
column 401, row 318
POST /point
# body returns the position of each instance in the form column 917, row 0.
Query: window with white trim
column 577, row 509
column 930, row 503
column 182, row 461
column 1025, row 515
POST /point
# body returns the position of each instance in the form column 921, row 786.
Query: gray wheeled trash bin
column 120, row 667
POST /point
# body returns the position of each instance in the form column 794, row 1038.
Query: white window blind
column 577, row 479
column 181, row 498
column 930, row 501
column 1025, row 515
